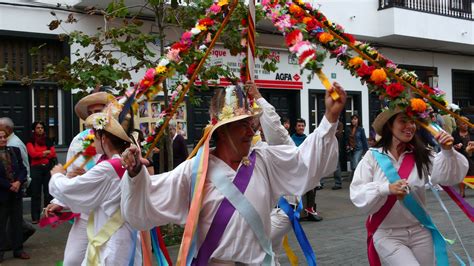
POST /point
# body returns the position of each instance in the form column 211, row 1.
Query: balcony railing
column 452, row 8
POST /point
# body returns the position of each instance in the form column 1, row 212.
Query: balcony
column 461, row 9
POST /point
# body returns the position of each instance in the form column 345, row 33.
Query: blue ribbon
column 131, row 262
column 415, row 209
column 160, row 257
column 294, row 217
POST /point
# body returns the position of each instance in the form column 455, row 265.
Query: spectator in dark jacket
column 12, row 176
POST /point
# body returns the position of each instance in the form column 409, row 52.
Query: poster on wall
column 149, row 112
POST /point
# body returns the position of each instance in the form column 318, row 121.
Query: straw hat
column 383, row 117
column 230, row 105
column 95, row 98
column 102, row 121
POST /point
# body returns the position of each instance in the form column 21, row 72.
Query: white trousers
column 76, row 245
column 281, row 226
column 410, row 246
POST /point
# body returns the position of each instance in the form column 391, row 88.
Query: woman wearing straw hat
column 97, row 192
column 76, row 245
column 259, row 175
column 389, row 185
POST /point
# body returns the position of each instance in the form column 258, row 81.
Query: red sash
column 375, row 220
column 117, row 165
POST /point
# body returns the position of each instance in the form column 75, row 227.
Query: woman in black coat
column 12, row 177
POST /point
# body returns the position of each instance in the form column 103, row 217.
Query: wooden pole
column 193, row 78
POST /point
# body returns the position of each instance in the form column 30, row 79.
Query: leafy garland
column 306, row 28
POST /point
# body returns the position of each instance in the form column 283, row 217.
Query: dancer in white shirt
column 399, row 238
column 148, row 201
column 98, row 192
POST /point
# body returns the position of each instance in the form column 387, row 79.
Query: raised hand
column 132, row 160
column 445, row 140
column 335, row 107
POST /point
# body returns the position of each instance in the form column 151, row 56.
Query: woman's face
column 403, row 128
column 39, row 129
column 355, row 121
column 3, row 139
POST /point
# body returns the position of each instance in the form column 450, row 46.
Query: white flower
column 100, row 122
column 195, row 31
column 164, row 62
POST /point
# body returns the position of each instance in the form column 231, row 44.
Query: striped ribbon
column 469, row 181
column 463, row 204
column 251, row 41
column 187, row 248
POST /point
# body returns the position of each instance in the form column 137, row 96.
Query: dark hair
column 300, row 120
column 33, row 126
column 285, row 120
column 421, row 152
column 40, row 140
column 117, row 142
column 358, row 119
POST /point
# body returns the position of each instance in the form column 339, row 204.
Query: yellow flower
column 325, row 37
column 223, row 2
column 301, row 2
column 89, row 137
column 418, row 105
column 356, row 61
column 295, row 9
column 226, row 113
column 201, row 27
column 378, row 76
column 160, row 69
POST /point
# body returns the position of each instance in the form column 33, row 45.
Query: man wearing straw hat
column 76, row 245
column 241, row 187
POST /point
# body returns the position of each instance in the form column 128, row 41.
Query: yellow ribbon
column 469, row 181
column 95, row 242
column 289, row 252
column 325, row 81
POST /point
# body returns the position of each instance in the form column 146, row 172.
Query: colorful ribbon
column 57, row 219
column 294, row 217
column 289, row 252
column 463, row 204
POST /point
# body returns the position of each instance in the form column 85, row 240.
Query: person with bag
column 12, row 176
column 389, row 185
column 42, row 159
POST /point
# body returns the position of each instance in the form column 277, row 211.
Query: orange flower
column 418, row 105
column 378, row 76
column 356, row 61
column 296, row 10
column 325, row 37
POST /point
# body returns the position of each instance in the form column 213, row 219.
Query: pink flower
column 186, row 37
column 173, row 55
column 283, row 23
column 173, row 95
column 150, row 74
column 215, row 8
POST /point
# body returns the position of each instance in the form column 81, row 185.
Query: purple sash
column 223, row 214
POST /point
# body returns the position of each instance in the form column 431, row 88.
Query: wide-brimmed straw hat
column 230, row 105
column 95, row 98
column 104, row 121
column 383, row 117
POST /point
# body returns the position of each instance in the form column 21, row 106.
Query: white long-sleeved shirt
column 275, row 133
column 370, row 187
column 74, row 148
column 279, row 170
column 98, row 191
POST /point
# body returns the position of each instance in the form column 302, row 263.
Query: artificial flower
column 394, row 89
column 325, row 37
column 164, row 62
column 293, row 37
column 196, row 31
column 227, row 112
column 223, row 2
column 364, row 70
column 150, row 74
column 356, row 62
column 206, row 22
column 191, row 69
column 418, row 105
column 173, row 55
column 305, row 57
column 100, row 122
column 296, row 10
column 89, row 151
column 160, row 69
column 378, row 76
column 215, row 9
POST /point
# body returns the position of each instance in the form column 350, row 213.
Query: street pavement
column 340, row 239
